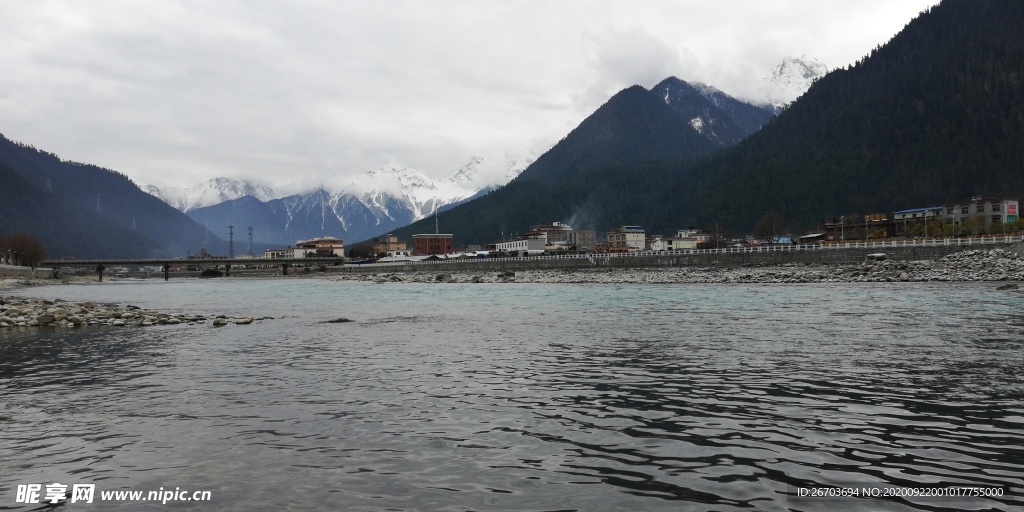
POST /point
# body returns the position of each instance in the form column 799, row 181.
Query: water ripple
column 526, row 397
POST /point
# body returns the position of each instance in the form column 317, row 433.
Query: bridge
column 167, row 264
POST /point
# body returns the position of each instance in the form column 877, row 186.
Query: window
column 996, row 207
column 964, row 210
column 997, row 219
column 949, row 211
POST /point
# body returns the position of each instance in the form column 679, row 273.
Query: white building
column 323, row 247
column 982, row 213
column 679, row 244
column 696, row 234
column 533, row 244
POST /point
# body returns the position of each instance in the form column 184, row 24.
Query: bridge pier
column 167, row 272
column 227, row 270
column 284, row 269
column 99, row 271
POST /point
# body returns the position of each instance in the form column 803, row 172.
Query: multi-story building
column 972, row 217
column 429, row 244
column 323, row 247
column 563, row 234
column 388, row 244
column 534, row 243
column 978, row 215
column 626, row 239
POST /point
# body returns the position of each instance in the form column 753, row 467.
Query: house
column 972, row 217
column 323, row 247
column 388, row 244
column 429, row 244
column 654, row 243
column 273, row 254
column 918, row 221
column 696, row 234
column 680, row 243
column 980, row 215
column 626, row 239
column 533, row 243
column 574, row 239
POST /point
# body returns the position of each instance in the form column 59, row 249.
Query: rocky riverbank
column 23, row 312
column 999, row 265
column 974, row 265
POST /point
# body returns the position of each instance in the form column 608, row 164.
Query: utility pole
column 231, row 241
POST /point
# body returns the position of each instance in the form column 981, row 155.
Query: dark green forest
column 934, row 116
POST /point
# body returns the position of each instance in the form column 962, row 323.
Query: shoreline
column 992, row 265
column 988, row 265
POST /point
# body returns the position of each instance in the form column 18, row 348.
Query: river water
column 524, row 397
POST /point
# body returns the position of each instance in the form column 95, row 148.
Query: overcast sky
column 292, row 93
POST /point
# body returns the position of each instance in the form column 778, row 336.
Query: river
column 524, row 397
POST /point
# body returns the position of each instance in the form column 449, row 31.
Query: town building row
column 972, row 217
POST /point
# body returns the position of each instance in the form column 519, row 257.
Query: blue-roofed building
column 930, row 219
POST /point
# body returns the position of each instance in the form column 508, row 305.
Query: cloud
column 622, row 58
column 301, row 92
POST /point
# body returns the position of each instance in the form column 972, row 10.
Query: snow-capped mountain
column 790, row 79
column 370, row 204
column 211, row 192
column 418, row 194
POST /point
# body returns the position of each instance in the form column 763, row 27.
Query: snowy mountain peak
column 790, row 79
column 467, row 173
column 211, row 192
column 393, row 179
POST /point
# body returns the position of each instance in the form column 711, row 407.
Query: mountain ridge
column 373, row 203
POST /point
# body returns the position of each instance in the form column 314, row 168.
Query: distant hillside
column 591, row 178
column 80, row 210
column 635, row 125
